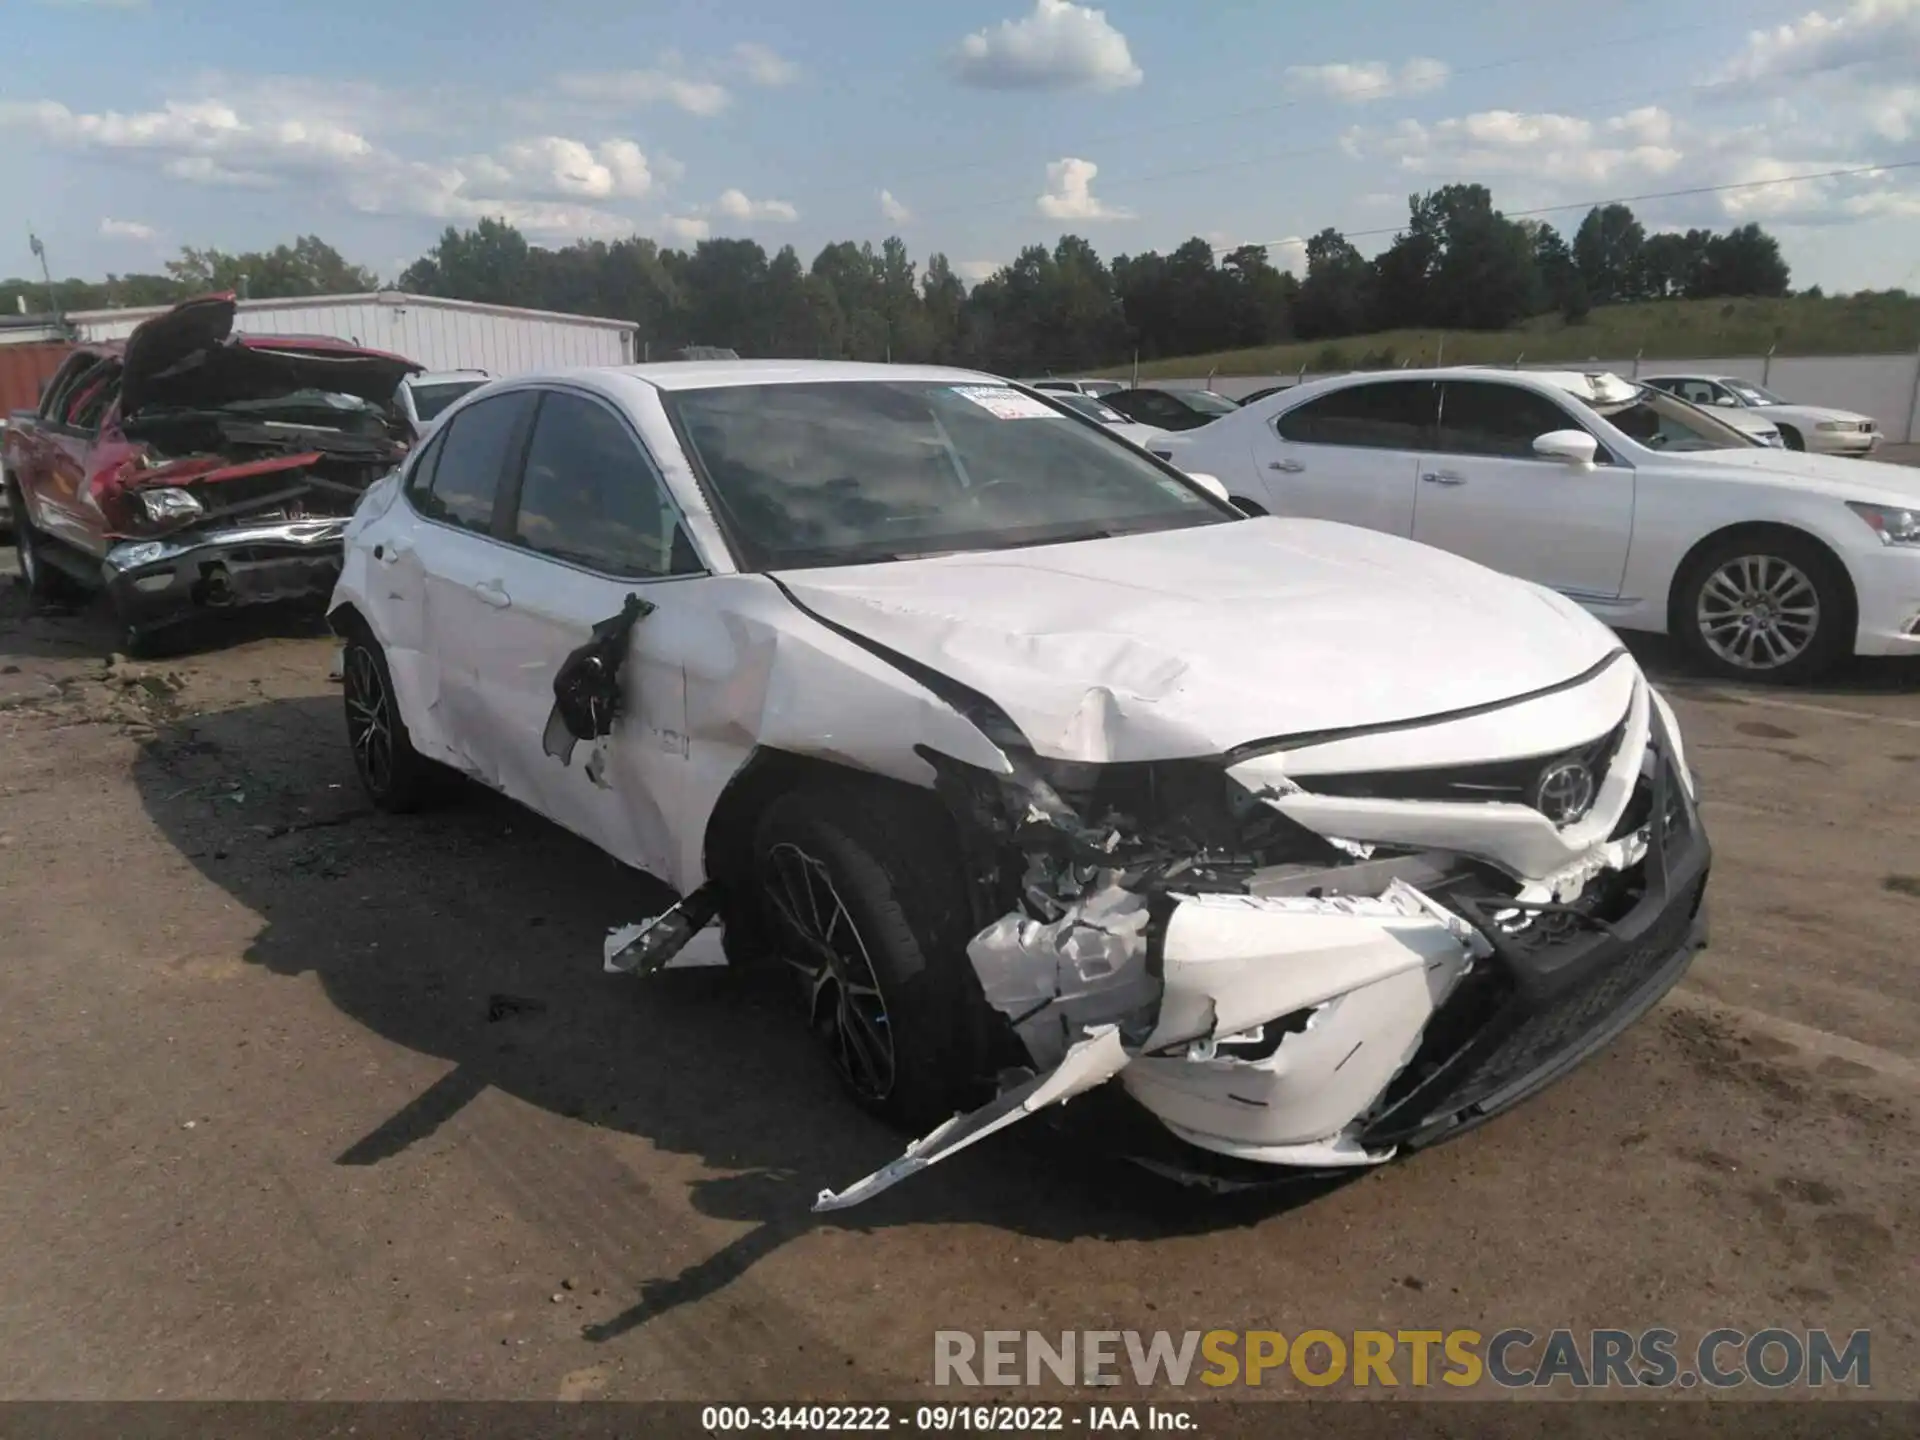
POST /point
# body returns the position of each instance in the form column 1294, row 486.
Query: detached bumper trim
column 160, row 582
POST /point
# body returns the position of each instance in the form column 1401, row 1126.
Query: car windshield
column 430, row 400
column 1208, row 403
column 1092, row 409
column 1659, row 421
column 853, row 472
column 1752, row 394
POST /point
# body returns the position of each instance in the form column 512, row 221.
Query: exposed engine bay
column 307, row 454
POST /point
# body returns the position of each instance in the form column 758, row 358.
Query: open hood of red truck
column 190, row 357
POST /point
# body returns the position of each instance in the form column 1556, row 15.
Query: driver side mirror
column 1570, row 447
column 1726, row 402
column 1211, row 484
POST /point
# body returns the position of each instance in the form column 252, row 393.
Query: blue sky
column 971, row 127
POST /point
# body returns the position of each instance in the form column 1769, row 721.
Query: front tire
column 396, row 777
column 43, row 582
column 1791, row 438
column 1773, row 607
column 861, row 893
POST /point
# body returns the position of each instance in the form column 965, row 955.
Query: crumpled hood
column 190, row 357
column 1192, row 642
column 1837, row 475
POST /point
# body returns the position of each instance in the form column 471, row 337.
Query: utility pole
column 40, row 254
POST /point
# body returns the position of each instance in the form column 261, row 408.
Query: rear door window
column 472, row 454
column 1388, row 415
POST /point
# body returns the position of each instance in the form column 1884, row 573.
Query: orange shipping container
column 23, row 370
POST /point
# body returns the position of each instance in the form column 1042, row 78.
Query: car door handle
column 1286, row 467
column 494, row 593
column 1443, row 477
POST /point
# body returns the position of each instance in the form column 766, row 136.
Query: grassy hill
column 1863, row 324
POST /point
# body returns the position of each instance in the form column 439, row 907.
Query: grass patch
column 1866, row 324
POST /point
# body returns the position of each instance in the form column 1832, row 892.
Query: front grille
column 1498, row 781
column 1553, row 992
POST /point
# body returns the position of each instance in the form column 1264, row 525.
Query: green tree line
column 1459, row 264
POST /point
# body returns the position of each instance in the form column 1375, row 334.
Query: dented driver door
column 586, row 524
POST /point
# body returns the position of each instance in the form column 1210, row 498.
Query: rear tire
column 862, row 893
column 1769, row 606
column 397, row 778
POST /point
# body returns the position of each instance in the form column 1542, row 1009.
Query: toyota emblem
column 1564, row 792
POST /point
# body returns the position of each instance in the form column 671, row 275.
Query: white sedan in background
column 1646, row 510
column 993, row 730
column 1816, row 428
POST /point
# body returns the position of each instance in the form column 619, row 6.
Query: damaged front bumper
column 1331, row 1021
column 155, row 583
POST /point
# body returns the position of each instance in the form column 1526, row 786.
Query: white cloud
column 1289, row 255
column 734, row 205
column 208, row 129
column 558, row 168
column 1059, row 46
column 1874, row 36
column 1542, row 145
column 892, row 210
column 1893, row 113
column 1357, row 82
column 683, row 227
column 126, row 230
column 974, row 271
column 762, row 65
column 1070, row 193
column 548, row 186
column 1564, row 158
column 631, row 88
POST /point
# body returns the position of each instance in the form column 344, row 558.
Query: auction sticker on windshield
column 1007, row 404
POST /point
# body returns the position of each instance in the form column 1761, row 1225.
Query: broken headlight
column 1051, row 827
column 170, row 503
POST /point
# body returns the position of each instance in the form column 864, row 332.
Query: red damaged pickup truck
column 190, row 469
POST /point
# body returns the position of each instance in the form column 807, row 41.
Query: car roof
column 1604, row 386
column 710, row 374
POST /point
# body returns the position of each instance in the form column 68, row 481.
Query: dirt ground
column 304, row 1101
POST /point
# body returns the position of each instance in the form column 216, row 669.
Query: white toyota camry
column 1651, row 513
column 1036, row 762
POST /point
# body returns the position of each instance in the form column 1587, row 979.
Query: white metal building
column 439, row 334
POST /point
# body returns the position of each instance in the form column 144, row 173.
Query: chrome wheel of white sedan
column 1772, row 606
column 1758, row 612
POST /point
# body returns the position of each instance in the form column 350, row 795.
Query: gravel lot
column 303, row 1101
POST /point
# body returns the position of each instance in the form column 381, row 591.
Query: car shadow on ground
column 85, row 629
column 472, row 933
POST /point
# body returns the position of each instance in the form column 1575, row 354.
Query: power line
column 1616, row 200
